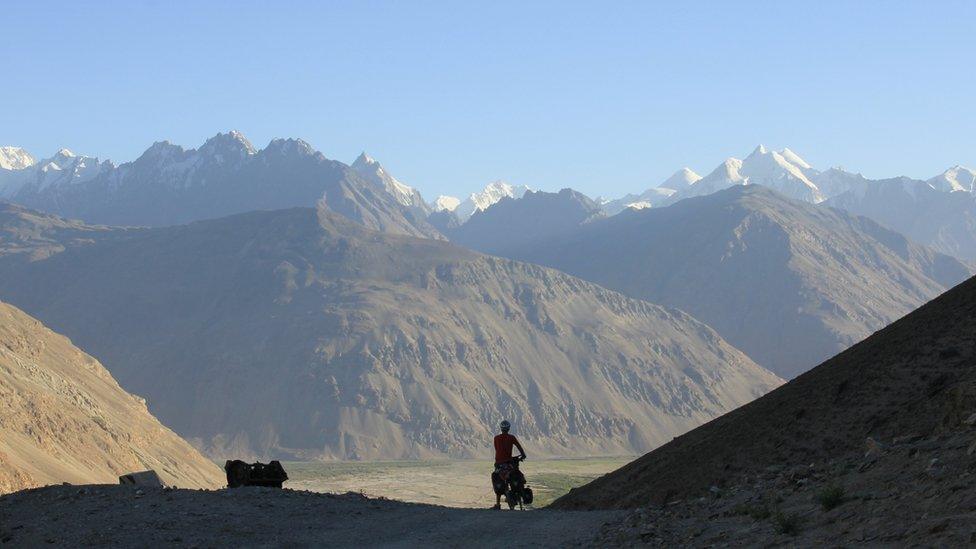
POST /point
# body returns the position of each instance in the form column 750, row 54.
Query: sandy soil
column 122, row 516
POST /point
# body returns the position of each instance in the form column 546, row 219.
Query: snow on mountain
column 492, row 193
column 650, row 198
column 795, row 159
column 655, row 196
column 956, row 178
column 837, row 181
column 446, row 203
column 228, row 147
column 374, row 173
column 15, row 158
column 64, row 168
column 170, row 185
column 681, row 179
column 726, row 175
column 783, row 171
column 773, row 170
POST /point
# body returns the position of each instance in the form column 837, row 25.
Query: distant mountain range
column 63, row 418
column 788, row 282
column 170, row 185
column 298, row 333
column 940, row 212
column 531, row 220
column 479, row 201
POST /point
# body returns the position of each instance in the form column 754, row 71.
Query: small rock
column 907, row 439
column 971, row 420
column 873, row 448
column 972, row 449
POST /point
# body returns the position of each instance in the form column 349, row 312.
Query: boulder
column 142, row 478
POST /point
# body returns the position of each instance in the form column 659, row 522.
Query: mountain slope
column 512, row 224
column 170, row 185
column 298, row 333
column 789, row 283
column 913, row 377
column 406, row 195
column 943, row 220
column 64, row 419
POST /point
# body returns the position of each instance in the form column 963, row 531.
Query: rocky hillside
column 170, row 185
column 297, row 333
column 788, row 282
column 516, row 223
column 911, row 381
column 943, row 218
column 64, row 419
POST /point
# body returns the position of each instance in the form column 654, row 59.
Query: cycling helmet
column 505, row 425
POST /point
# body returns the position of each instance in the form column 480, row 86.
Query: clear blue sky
column 606, row 98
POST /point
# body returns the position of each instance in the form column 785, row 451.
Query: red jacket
column 503, row 447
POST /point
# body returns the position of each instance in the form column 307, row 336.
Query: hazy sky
column 603, row 97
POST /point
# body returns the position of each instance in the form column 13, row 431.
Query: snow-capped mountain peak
column 956, row 178
column 494, row 192
column 283, row 147
column 63, row 168
column 758, row 151
column 364, row 160
column 231, row 144
column 681, row 179
column 374, row 172
column 728, row 170
column 448, row 203
column 491, row 194
column 785, row 172
column 15, row 158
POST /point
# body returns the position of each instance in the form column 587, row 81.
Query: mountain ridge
column 170, row 185
column 756, row 266
column 383, row 346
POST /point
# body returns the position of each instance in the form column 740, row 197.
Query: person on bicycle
column 504, row 442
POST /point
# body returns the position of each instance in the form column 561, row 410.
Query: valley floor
column 457, row 483
column 126, row 516
column 911, row 491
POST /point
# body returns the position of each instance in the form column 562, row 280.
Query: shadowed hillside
column 916, row 377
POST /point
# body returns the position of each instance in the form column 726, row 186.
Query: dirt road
column 122, row 516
